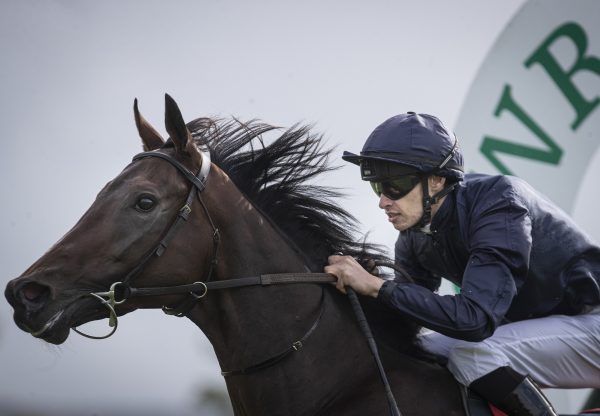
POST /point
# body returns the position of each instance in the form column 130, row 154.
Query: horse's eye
column 145, row 204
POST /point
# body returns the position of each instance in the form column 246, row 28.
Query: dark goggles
column 395, row 188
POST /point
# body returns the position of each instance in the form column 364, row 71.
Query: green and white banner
column 533, row 109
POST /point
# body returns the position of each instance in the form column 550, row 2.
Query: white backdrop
column 70, row 71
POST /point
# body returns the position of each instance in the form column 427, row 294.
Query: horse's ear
column 150, row 137
column 180, row 135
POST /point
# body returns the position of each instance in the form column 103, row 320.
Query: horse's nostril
column 34, row 292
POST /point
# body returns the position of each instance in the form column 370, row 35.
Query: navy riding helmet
column 417, row 142
column 409, row 144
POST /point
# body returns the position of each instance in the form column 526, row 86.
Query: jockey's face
column 406, row 212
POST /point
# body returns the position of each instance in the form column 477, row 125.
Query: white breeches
column 557, row 351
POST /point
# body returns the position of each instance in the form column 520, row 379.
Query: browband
column 199, row 181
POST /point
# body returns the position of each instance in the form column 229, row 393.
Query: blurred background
column 71, row 70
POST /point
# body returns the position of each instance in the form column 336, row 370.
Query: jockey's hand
column 350, row 273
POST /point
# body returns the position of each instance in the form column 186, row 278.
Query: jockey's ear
column 436, row 183
column 151, row 139
column 180, row 135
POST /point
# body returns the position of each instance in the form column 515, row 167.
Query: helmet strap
column 428, row 201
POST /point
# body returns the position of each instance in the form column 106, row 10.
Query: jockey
column 528, row 310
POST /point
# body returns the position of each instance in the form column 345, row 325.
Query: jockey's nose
column 384, row 201
column 27, row 294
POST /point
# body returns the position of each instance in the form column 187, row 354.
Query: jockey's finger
column 340, row 285
column 331, row 270
column 334, row 258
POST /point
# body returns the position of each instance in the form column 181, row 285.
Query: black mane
column 279, row 178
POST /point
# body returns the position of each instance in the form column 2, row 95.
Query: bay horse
column 214, row 207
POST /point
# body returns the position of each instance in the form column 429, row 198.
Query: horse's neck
column 249, row 325
column 250, row 245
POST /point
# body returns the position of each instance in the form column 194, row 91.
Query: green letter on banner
column 562, row 79
column 490, row 146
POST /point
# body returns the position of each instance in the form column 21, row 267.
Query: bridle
column 120, row 291
column 116, row 295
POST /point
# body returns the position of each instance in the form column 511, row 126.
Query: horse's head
column 124, row 226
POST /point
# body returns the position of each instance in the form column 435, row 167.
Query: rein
column 119, row 292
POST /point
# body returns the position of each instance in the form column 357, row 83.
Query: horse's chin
column 55, row 329
column 55, row 334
